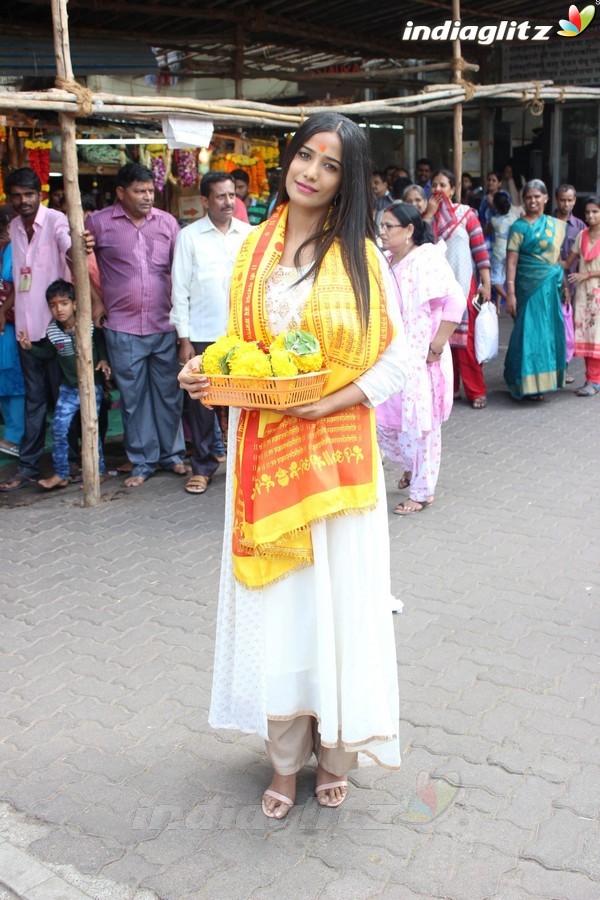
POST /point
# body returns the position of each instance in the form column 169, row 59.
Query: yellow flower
column 248, row 359
column 311, row 362
column 282, row 363
column 213, row 358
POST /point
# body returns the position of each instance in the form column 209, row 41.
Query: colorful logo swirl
column 578, row 21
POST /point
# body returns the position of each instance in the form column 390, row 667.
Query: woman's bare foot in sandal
column 404, row 481
column 412, row 506
column 331, row 790
column 279, row 797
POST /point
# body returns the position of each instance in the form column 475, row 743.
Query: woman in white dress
column 305, row 652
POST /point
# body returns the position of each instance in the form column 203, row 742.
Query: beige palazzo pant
column 293, row 741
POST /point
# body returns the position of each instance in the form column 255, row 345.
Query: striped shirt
column 61, row 344
column 477, row 241
column 135, row 268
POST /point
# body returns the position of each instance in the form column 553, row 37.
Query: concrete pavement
column 114, row 787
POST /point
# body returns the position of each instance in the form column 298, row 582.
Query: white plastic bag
column 486, row 333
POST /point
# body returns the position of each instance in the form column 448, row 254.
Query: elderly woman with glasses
column 431, row 304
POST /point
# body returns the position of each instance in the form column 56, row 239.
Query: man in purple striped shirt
column 134, row 245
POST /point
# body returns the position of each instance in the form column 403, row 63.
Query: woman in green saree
column 536, row 357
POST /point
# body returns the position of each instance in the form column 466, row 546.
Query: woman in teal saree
column 536, row 357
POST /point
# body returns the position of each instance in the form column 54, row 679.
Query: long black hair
column 350, row 217
column 407, row 214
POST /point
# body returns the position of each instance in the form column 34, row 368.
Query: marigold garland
column 39, row 161
column 292, row 352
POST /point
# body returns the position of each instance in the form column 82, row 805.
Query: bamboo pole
column 245, row 112
column 458, row 109
column 83, row 326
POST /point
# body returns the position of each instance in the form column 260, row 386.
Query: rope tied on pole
column 536, row 104
column 85, row 97
column 459, row 65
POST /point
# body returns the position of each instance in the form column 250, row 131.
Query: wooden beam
column 81, row 281
column 458, row 109
column 255, row 22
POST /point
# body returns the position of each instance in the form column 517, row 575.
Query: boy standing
column 60, row 343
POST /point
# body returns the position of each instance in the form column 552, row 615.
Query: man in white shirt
column 205, row 252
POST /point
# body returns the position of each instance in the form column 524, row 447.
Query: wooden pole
column 81, row 281
column 458, row 109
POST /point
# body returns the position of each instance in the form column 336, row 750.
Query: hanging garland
column 187, row 167
column 158, row 160
column 39, row 161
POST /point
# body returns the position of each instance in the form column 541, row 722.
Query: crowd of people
column 161, row 295
column 390, row 274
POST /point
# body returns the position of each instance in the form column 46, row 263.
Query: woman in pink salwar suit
column 431, row 303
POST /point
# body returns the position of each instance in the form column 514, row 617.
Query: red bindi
column 323, row 148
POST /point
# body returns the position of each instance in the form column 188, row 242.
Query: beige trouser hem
column 293, row 741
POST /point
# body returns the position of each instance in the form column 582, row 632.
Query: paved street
column 112, row 785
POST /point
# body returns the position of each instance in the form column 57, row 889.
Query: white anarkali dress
column 321, row 641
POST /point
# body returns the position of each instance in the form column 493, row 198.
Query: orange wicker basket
column 265, row 393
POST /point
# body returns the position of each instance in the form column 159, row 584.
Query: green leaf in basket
column 301, row 343
column 224, row 361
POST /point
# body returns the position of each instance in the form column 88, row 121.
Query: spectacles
column 385, row 227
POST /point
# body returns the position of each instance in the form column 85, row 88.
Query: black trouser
column 202, row 426
column 42, row 378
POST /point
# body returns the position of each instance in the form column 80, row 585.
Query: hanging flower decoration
column 187, row 167
column 158, row 160
column 39, row 161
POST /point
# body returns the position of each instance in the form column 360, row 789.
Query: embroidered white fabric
column 321, row 641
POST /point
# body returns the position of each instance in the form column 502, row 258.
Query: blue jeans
column 67, row 406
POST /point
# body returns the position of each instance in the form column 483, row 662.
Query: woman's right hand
column 511, row 305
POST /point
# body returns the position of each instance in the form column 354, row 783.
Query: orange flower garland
column 39, row 161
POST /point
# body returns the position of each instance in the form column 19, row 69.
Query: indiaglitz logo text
column 481, row 34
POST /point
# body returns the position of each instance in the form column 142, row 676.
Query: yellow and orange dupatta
column 290, row 472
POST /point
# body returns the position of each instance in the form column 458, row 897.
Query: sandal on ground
column 16, row 483
column 9, row 447
column 404, row 481
column 569, row 379
column 280, row 812
column 536, row 398
column 197, row 484
column 588, row 389
column 328, row 787
column 479, row 403
column 403, row 510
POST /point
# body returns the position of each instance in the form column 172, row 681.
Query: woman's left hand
column 577, row 277
column 432, row 357
column 311, row 411
column 485, row 292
